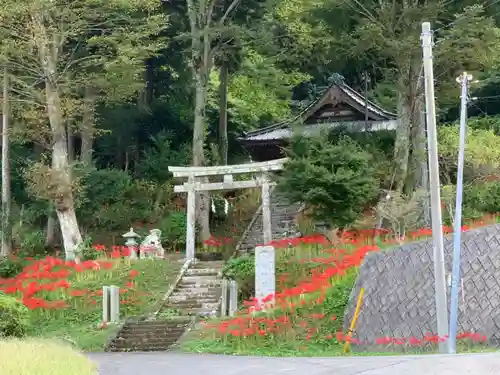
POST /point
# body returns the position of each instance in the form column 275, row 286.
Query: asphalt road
column 183, row 364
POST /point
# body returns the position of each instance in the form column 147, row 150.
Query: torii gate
column 193, row 186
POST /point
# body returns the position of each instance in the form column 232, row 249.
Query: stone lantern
column 131, row 242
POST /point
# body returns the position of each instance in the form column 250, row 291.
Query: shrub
column 14, row 318
column 173, row 229
column 112, row 199
column 32, row 244
column 43, row 357
column 10, row 267
column 336, row 178
column 242, row 269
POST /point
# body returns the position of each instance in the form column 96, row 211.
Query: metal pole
column 464, row 79
column 437, row 231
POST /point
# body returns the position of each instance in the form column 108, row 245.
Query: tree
column 333, row 178
column 207, row 19
column 48, row 35
column 384, row 38
column 6, row 193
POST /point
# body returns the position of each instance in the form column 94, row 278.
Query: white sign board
column 265, row 272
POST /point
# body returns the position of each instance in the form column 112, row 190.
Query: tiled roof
column 284, row 131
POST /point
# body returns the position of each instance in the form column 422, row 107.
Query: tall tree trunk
column 201, row 66
column 402, row 144
column 6, row 193
column 421, row 160
column 202, row 199
column 51, row 229
column 223, row 85
column 71, row 143
column 63, row 200
column 88, row 126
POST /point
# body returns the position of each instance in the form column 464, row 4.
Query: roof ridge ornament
column 336, row 78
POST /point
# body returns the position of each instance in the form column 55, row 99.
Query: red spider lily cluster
column 116, row 251
column 218, row 242
column 45, row 284
column 285, row 314
column 428, row 338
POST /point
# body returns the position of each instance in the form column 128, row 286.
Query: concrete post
column 114, row 292
column 224, row 298
column 233, row 298
column 106, row 316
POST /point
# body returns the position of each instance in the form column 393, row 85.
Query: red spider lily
column 133, row 273
column 51, row 274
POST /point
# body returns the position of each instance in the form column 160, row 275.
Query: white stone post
column 224, row 298
column 266, row 211
column 265, row 273
column 114, row 292
column 106, row 316
column 191, row 220
column 233, row 298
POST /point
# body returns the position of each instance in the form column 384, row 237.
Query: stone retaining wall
column 399, row 289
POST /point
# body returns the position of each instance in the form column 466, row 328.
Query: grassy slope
column 41, row 357
column 80, row 322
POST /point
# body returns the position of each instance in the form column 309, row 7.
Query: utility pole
column 432, row 148
column 464, row 80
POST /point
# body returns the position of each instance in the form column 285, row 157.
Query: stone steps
column 202, row 272
column 148, row 335
column 282, row 221
column 197, row 294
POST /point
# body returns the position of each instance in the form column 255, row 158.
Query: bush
column 14, row 317
column 478, row 200
column 10, row 267
column 173, row 229
column 43, row 357
column 242, row 270
column 112, row 199
column 335, row 178
column 32, row 244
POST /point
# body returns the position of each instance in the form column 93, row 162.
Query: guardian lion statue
column 151, row 246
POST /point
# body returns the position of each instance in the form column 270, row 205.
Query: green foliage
column 259, row 91
column 479, row 199
column 10, row 267
column 336, row 178
column 14, row 317
column 32, row 244
column 161, row 155
column 173, row 229
column 242, row 269
column 482, row 155
column 485, row 123
column 337, row 298
column 112, row 199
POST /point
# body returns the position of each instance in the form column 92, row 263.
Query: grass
column 42, row 357
column 142, row 283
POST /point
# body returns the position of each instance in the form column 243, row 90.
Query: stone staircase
column 196, row 294
column 148, row 335
column 282, row 221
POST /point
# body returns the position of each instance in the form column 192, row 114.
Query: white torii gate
column 193, row 186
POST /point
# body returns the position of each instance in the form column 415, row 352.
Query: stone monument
column 265, row 275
